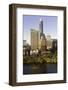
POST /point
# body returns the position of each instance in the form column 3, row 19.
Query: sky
column 32, row 22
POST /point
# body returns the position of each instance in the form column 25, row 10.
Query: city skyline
column 32, row 22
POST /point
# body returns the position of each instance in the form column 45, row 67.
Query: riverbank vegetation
column 40, row 59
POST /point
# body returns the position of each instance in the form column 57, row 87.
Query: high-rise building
column 43, row 43
column 42, row 36
column 35, row 39
column 41, row 26
column 54, row 45
column 49, row 42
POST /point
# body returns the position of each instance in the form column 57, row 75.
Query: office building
column 41, row 27
column 35, row 39
column 49, row 42
column 43, row 43
column 54, row 45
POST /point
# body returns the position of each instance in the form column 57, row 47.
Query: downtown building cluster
column 39, row 42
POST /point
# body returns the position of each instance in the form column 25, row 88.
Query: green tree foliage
column 44, row 58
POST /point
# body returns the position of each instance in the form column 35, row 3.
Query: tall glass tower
column 41, row 26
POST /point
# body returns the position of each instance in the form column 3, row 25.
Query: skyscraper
column 38, row 39
column 41, row 26
column 49, row 42
column 35, row 39
column 43, row 43
column 42, row 35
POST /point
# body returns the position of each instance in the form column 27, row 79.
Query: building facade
column 35, row 39
column 39, row 40
column 43, row 43
column 41, row 27
column 49, row 42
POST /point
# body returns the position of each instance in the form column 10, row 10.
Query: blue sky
column 32, row 22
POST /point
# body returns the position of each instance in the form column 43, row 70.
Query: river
column 39, row 68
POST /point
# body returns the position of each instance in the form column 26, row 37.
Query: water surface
column 39, row 68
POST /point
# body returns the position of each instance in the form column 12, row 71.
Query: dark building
column 41, row 27
column 26, row 48
column 54, row 45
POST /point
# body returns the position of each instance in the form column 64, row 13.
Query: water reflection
column 39, row 68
